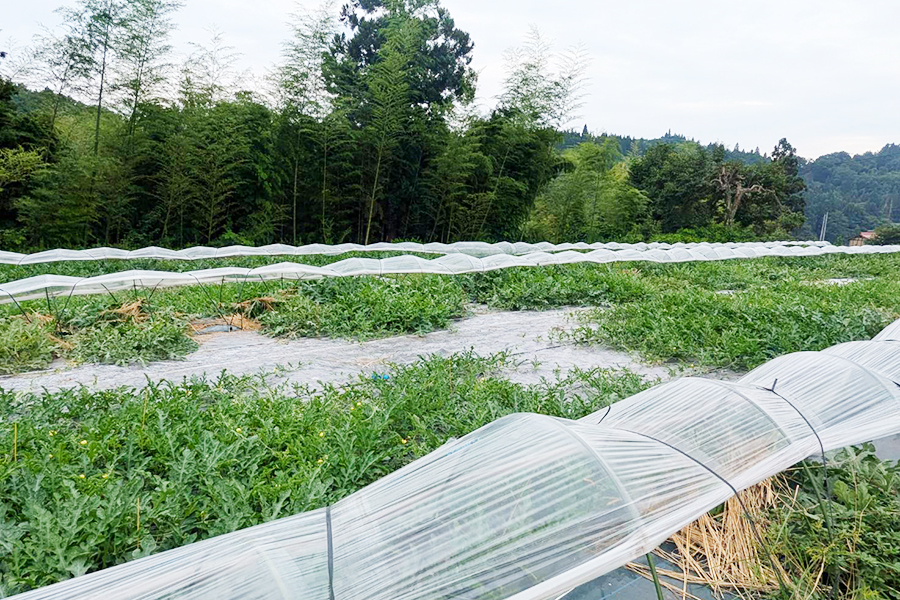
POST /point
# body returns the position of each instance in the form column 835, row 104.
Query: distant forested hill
column 639, row 146
column 858, row 192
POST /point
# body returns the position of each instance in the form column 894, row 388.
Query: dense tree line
column 669, row 190
column 638, row 146
column 366, row 131
column 859, row 192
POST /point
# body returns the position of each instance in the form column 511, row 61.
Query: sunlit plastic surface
column 471, row 248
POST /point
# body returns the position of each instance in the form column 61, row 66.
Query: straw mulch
column 130, row 310
column 721, row 551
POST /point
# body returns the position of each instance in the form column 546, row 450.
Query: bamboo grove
column 367, row 130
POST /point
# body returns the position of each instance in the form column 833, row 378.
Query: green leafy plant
column 210, row 456
column 24, row 345
column 863, row 551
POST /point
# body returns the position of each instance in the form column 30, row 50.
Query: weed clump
column 367, row 307
column 124, row 333
column 25, row 345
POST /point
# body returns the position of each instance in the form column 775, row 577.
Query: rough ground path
column 313, row 361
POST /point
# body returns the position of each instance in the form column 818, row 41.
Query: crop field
column 730, row 314
column 377, row 300
column 90, row 479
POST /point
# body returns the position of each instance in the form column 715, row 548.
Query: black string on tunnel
column 826, row 507
column 775, row 568
column 330, row 553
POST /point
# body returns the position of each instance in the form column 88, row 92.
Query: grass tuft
column 24, row 345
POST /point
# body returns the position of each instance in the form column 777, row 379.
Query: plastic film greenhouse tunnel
column 530, row 506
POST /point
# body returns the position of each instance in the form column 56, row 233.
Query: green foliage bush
column 591, row 201
column 24, row 346
column 887, row 234
column 208, row 457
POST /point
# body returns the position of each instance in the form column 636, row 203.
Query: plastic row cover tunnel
column 531, row 506
column 448, row 264
column 471, row 248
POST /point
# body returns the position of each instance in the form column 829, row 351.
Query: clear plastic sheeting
column 882, row 357
column 470, row 248
column 891, row 333
column 817, row 385
column 529, row 506
column 460, row 261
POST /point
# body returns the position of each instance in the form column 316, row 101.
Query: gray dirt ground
column 312, row 361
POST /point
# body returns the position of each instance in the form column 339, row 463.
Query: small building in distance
column 863, row 238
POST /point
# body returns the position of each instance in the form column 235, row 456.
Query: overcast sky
column 823, row 73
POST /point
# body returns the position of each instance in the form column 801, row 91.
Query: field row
column 734, row 314
column 449, row 264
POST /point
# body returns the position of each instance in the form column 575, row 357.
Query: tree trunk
column 102, row 82
column 139, row 81
column 372, row 200
column 437, row 216
column 58, row 99
column 133, row 118
column 494, row 194
column 730, row 209
column 324, row 184
column 166, row 221
column 294, row 227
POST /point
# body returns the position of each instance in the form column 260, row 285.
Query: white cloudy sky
column 823, row 73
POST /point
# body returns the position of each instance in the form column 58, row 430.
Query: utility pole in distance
column 824, row 228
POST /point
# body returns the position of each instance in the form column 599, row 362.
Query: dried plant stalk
column 720, row 551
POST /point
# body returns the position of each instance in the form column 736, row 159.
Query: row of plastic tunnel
column 472, row 248
column 447, row 264
column 530, row 506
